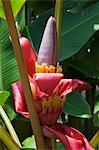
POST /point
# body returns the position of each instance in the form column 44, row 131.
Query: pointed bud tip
column 48, row 48
column 52, row 19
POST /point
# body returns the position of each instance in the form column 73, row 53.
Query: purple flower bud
column 48, row 48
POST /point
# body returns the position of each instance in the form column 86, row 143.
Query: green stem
column 24, row 77
column 58, row 16
column 95, row 140
column 6, row 139
column 9, row 126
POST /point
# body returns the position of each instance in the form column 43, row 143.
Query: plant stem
column 58, row 16
column 24, row 77
column 9, row 126
column 4, row 136
column 53, row 142
column 95, row 140
column 90, row 96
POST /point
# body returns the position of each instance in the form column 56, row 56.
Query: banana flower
column 49, row 89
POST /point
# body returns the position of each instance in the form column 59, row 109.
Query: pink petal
column 43, row 117
column 29, row 55
column 66, row 86
column 46, row 117
column 70, row 137
column 47, row 81
column 39, row 93
column 48, row 49
column 19, row 99
column 50, row 116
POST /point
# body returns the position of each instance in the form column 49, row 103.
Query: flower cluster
column 49, row 89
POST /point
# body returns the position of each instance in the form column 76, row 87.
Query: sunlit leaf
column 96, row 27
column 16, row 6
column 29, row 143
column 3, row 97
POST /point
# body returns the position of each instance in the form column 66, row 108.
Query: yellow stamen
column 58, row 68
column 33, row 89
column 36, row 67
column 51, row 69
column 62, row 103
column 52, row 102
column 41, row 69
column 44, row 68
column 44, row 104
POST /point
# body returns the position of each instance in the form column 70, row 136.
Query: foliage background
column 79, row 56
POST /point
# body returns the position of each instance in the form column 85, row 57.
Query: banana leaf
column 77, row 28
column 16, row 6
column 8, row 66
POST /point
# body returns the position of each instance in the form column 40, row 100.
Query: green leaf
column 86, row 67
column 82, row 5
column 96, row 27
column 10, row 110
column 8, row 66
column 80, row 24
column 16, row 6
column 29, row 143
column 40, row 6
column 37, row 27
column 96, row 107
column 96, row 112
column 3, row 97
column 76, row 105
column 93, row 54
column 59, row 145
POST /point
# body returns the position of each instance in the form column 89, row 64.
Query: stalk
column 53, row 143
column 9, row 126
column 6, row 139
column 24, row 77
column 90, row 96
column 58, row 16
